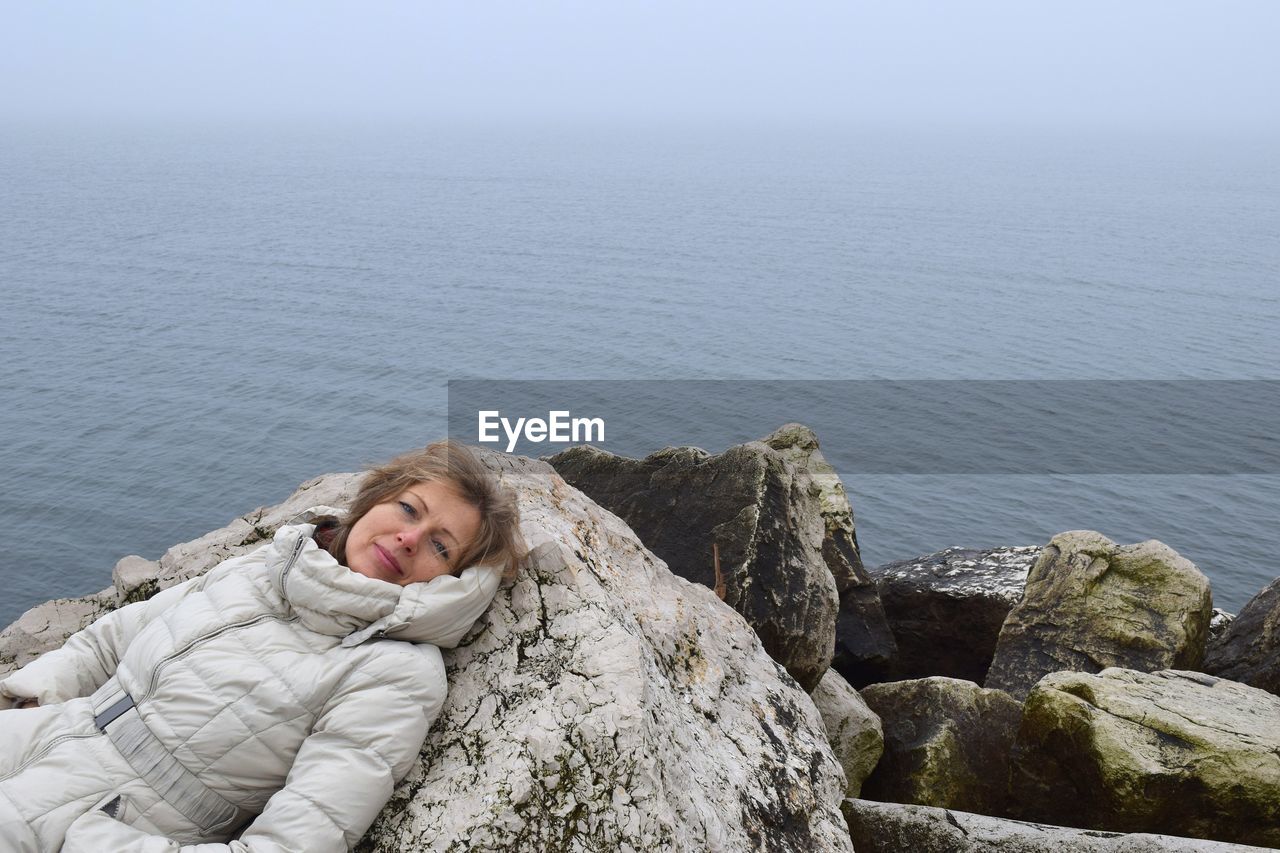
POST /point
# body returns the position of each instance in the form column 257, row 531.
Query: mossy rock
column 1090, row 604
column 1181, row 753
column 946, row 744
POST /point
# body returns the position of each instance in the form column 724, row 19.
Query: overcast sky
column 1107, row 62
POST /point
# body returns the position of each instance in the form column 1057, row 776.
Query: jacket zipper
column 288, row 567
column 155, row 672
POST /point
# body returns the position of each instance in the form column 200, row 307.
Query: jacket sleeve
column 365, row 741
column 90, row 656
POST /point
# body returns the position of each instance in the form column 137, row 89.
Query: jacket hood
column 333, row 599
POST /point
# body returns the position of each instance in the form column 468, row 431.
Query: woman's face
column 415, row 536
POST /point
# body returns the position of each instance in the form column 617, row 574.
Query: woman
column 288, row 689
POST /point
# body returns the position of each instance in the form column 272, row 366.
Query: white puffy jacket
column 277, row 685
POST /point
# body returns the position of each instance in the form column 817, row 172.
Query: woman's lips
column 388, row 561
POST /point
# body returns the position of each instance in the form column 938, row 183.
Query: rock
column 1175, row 752
column 1248, row 649
column 762, row 513
column 604, row 703
column 852, row 729
column 946, row 744
column 1090, row 604
column 135, row 579
column 865, row 646
column 946, row 609
column 47, row 626
column 895, row 828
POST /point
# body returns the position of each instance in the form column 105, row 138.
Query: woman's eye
column 408, row 508
column 440, row 548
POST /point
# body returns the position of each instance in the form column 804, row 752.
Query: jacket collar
column 331, row 599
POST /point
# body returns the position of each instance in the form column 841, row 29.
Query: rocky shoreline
column 695, row 658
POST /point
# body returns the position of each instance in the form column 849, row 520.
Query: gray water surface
column 196, row 320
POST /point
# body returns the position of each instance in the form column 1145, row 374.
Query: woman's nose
column 408, row 538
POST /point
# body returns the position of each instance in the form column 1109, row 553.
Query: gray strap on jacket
column 117, row 716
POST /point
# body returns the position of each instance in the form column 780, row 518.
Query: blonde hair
column 498, row 542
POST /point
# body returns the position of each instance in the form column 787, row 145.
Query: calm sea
column 196, row 320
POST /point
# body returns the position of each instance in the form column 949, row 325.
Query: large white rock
column 604, row 703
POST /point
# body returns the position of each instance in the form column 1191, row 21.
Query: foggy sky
column 1108, row 62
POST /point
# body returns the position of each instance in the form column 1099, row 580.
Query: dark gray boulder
column 1090, row 604
column 865, row 647
column 898, row 828
column 946, row 609
column 1248, row 649
column 946, row 743
column 750, row 507
column 1172, row 751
